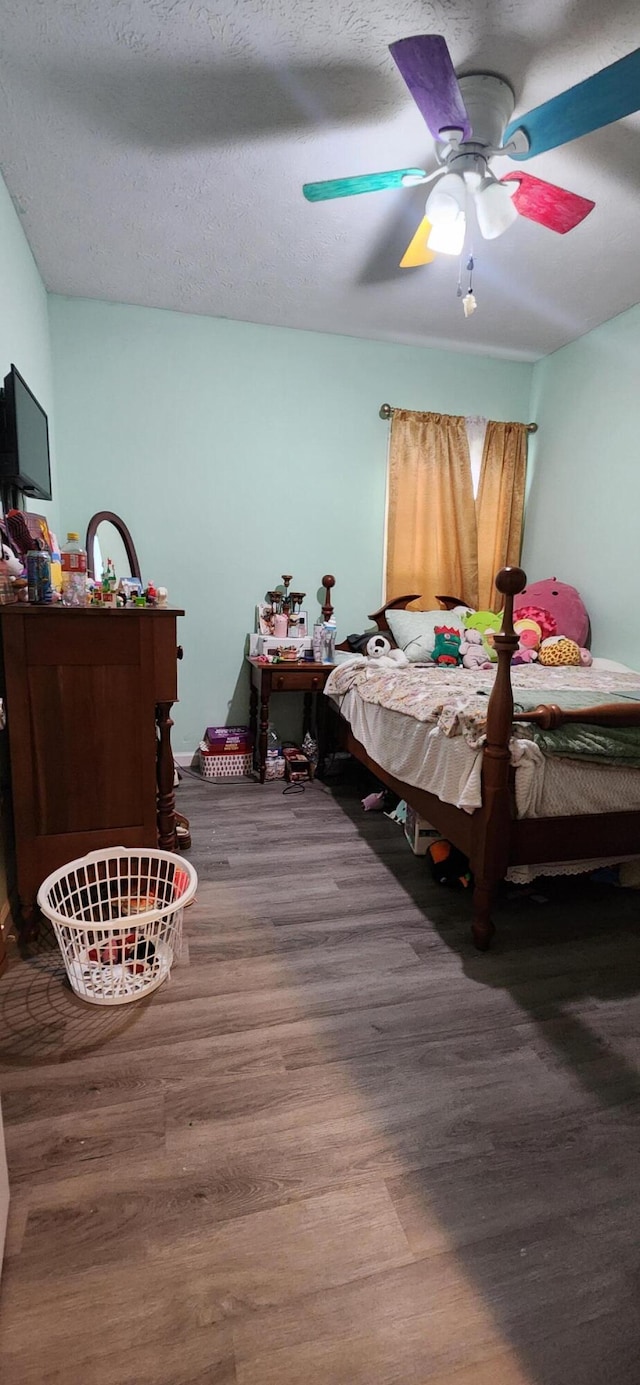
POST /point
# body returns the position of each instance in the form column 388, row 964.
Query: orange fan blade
column 418, row 251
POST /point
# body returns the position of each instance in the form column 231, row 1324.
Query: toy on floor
column 373, row 802
column 448, row 865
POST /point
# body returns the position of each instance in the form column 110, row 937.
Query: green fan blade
column 365, row 182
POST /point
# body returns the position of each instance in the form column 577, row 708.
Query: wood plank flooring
column 339, row 1146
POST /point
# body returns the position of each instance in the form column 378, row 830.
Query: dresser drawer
column 300, row 681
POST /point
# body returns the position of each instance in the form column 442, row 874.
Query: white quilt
column 449, row 767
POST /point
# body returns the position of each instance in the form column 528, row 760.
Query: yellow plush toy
column 559, row 650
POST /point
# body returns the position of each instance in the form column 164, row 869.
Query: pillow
column 414, row 631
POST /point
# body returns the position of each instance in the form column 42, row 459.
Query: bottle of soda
column 74, row 572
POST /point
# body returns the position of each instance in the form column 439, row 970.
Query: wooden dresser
column 88, row 698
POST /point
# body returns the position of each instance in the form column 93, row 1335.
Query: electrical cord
column 215, row 783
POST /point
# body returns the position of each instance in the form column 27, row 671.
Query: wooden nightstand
column 265, row 679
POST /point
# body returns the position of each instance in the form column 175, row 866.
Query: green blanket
column 608, row 745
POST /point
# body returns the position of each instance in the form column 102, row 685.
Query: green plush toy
column 487, row 622
column 446, row 650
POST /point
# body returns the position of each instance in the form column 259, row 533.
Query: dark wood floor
column 339, row 1147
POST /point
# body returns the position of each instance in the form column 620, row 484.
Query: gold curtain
column 431, row 527
column 500, row 506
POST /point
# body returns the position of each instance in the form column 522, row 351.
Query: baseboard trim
column 185, row 757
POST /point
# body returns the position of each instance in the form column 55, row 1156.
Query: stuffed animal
column 559, row 650
column 446, row 650
column 543, row 619
column 448, row 865
column 488, row 623
column 564, row 605
column 474, row 654
column 529, row 634
column 378, row 648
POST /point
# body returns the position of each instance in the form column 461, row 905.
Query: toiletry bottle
column 56, row 568
column 318, row 642
column 74, row 572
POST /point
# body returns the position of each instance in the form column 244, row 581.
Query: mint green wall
column 236, row 453
column 24, row 324
column 582, row 515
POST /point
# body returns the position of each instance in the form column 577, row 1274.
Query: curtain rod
column 386, row 411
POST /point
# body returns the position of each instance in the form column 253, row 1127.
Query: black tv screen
column 24, row 444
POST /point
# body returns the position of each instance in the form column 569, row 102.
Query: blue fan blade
column 365, row 182
column 609, row 95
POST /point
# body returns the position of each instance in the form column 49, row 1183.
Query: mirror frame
column 119, row 524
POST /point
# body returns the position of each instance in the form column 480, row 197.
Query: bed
column 494, row 829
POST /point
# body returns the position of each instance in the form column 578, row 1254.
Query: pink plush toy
column 564, row 605
column 543, row 619
column 529, row 634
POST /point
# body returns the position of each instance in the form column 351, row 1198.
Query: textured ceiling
column 155, row 150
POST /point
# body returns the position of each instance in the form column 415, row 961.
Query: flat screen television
column 24, row 439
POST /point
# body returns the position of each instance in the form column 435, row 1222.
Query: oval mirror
column 108, row 537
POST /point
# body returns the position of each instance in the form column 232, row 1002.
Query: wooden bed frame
column 492, row 837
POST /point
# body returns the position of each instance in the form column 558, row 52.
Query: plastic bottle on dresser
column 74, row 572
column 329, row 641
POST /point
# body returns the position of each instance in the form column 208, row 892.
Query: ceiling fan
column 470, row 119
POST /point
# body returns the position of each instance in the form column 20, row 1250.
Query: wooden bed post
column 492, row 822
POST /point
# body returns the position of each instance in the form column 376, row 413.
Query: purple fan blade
column 428, row 71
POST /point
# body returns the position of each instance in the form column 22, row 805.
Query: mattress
column 420, row 753
column 450, row 768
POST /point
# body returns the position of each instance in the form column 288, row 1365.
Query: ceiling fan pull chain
column 469, row 303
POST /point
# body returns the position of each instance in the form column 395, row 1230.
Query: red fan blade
column 552, row 207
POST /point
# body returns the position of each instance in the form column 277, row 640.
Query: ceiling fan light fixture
column 448, row 236
column 494, row 208
column 446, row 200
column 446, row 210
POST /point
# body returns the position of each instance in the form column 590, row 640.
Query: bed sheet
column 450, row 768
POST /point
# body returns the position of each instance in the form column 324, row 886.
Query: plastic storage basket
column 117, row 916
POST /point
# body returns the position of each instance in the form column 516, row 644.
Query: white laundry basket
column 117, row 915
